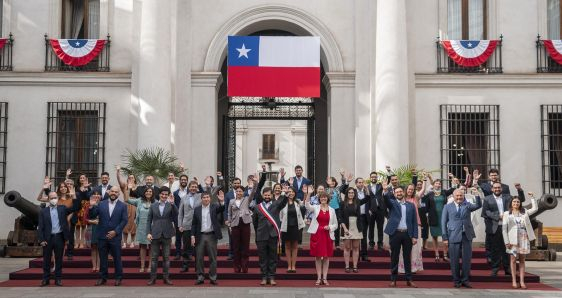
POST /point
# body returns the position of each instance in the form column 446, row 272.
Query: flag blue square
column 243, row 50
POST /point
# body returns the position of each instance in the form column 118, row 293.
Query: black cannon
column 539, row 247
column 22, row 241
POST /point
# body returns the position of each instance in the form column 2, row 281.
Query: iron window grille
column 3, row 144
column 544, row 62
column 6, row 54
column 551, row 149
column 75, row 139
column 446, row 65
column 99, row 64
column 470, row 136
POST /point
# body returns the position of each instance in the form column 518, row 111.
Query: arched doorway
column 312, row 111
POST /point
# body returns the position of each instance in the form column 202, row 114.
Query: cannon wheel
column 544, row 242
column 552, row 256
column 10, row 239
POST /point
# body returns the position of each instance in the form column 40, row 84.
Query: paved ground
column 551, row 274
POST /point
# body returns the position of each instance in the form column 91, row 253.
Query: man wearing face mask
column 112, row 216
column 52, row 232
column 185, row 217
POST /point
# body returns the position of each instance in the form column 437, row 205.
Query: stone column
column 391, row 131
column 341, row 121
column 154, row 76
column 203, row 119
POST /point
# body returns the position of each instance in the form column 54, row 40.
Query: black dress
column 293, row 233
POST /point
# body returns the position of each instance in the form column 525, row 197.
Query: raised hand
column 118, row 168
column 455, row 181
column 219, row 174
column 263, row 168
column 342, row 172
column 93, row 201
column 170, row 199
column 68, row 172
column 518, row 186
column 385, row 185
column 388, row 169
column 450, row 175
column 349, row 177
column 208, row 180
column 220, row 196
column 476, row 175
column 291, row 180
column 181, row 166
column 309, row 189
column 285, row 188
column 47, row 182
column 531, row 194
column 282, row 172
column 466, row 170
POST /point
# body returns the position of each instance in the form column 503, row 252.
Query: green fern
column 404, row 173
column 155, row 161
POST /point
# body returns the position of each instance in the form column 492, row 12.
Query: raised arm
column 534, row 205
column 122, row 184
column 43, row 194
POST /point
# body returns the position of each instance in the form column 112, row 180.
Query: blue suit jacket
column 106, row 196
column 395, row 214
column 45, row 226
column 300, row 193
column 116, row 222
column 454, row 223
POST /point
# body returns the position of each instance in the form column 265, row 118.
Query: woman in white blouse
column 517, row 234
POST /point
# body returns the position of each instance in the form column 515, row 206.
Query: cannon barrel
column 30, row 210
column 545, row 202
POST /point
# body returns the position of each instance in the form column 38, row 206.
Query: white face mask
column 54, row 201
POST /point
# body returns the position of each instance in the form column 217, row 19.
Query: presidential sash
column 264, row 212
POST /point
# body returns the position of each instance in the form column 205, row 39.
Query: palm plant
column 404, row 173
column 155, row 161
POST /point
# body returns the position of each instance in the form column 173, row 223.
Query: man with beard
column 363, row 195
column 148, row 183
column 230, row 195
column 377, row 211
column 299, row 181
column 112, row 216
column 185, row 218
column 179, row 195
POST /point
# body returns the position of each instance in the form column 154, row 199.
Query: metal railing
column 100, row 63
column 6, row 55
column 551, row 149
column 545, row 64
column 446, row 65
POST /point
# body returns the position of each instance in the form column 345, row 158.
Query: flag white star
column 77, row 43
column 470, row 44
column 243, row 51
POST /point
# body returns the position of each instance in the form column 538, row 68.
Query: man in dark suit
column 458, row 233
column 180, row 194
column 205, row 232
column 112, row 216
column 298, row 181
column 52, row 232
column 148, row 183
column 267, row 225
column 160, row 230
column 492, row 211
column 363, row 195
column 104, row 187
column 402, row 228
column 377, row 211
column 230, row 195
column 494, row 176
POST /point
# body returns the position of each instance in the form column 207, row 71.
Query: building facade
column 390, row 95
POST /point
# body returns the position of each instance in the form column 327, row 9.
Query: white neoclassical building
column 390, row 95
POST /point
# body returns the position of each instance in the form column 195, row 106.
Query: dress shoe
column 507, row 273
column 410, row 283
column 184, row 268
column 263, row 282
column 167, row 281
column 372, row 246
column 229, row 258
column 177, row 258
column 365, row 259
column 151, row 282
column 214, row 282
column 117, row 282
column 101, row 281
column 494, row 273
column 392, row 284
column 272, row 282
column 457, row 286
column 380, row 247
column 199, row 282
column 69, row 258
column 58, row 282
column 44, row 282
column 467, row 284
column 188, row 258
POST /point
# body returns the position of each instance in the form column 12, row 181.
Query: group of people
column 194, row 214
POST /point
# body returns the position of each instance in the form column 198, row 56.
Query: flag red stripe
column 3, row 42
column 469, row 62
column 274, row 81
column 77, row 61
column 552, row 51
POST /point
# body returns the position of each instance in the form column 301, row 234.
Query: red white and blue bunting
column 469, row 53
column 77, row 52
column 3, row 42
column 554, row 49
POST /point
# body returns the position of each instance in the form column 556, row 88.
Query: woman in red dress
column 322, row 227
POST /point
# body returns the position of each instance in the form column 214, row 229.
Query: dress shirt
column 361, row 196
column 182, row 193
column 111, row 206
column 103, row 190
column 374, row 191
column 499, row 201
column 206, row 219
column 161, row 206
column 458, row 207
column 55, row 225
column 191, row 202
column 403, row 225
column 299, row 182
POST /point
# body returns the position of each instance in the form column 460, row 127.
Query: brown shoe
column 392, row 284
column 411, row 284
column 272, row 282
column 263, row 282
column 168, row 281
column 151, row 282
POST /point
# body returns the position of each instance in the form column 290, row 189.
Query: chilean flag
column 77, row 52
column 274, row 66
column 3, row 42
column 469, row 53
column 554, row 49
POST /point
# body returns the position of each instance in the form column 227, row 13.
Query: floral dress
column 523, row 244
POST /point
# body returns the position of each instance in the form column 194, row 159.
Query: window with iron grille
column 551, row 137
column 470, row 136
column 268, row 146
column 3, row 144
column 75, row 139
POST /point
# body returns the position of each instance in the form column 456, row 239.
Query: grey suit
column 161, row 227
column 458, row 230
column 185, row 219
column 495, row 247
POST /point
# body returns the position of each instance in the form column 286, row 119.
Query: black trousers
column 70, row 244
column 364, row 218
column 267, row 252
column 54, row 244
column 400, row 240
column 497, row 251
column 179, row 237
column 378, row 219
column 187, row 247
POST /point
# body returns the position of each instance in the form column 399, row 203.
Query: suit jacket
column 509, row 225
column 395, row 215
column 264, row 229
column 454, row 223
column 215, row 210
column 162, row 226
column 491, row 213
column 487, row 190
column 300, row 193
column 116, row 222
column 429, row 198
column 185, row 213
column 106, row 195
column 376, row 201
column 139, row 192
column 45, row 226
